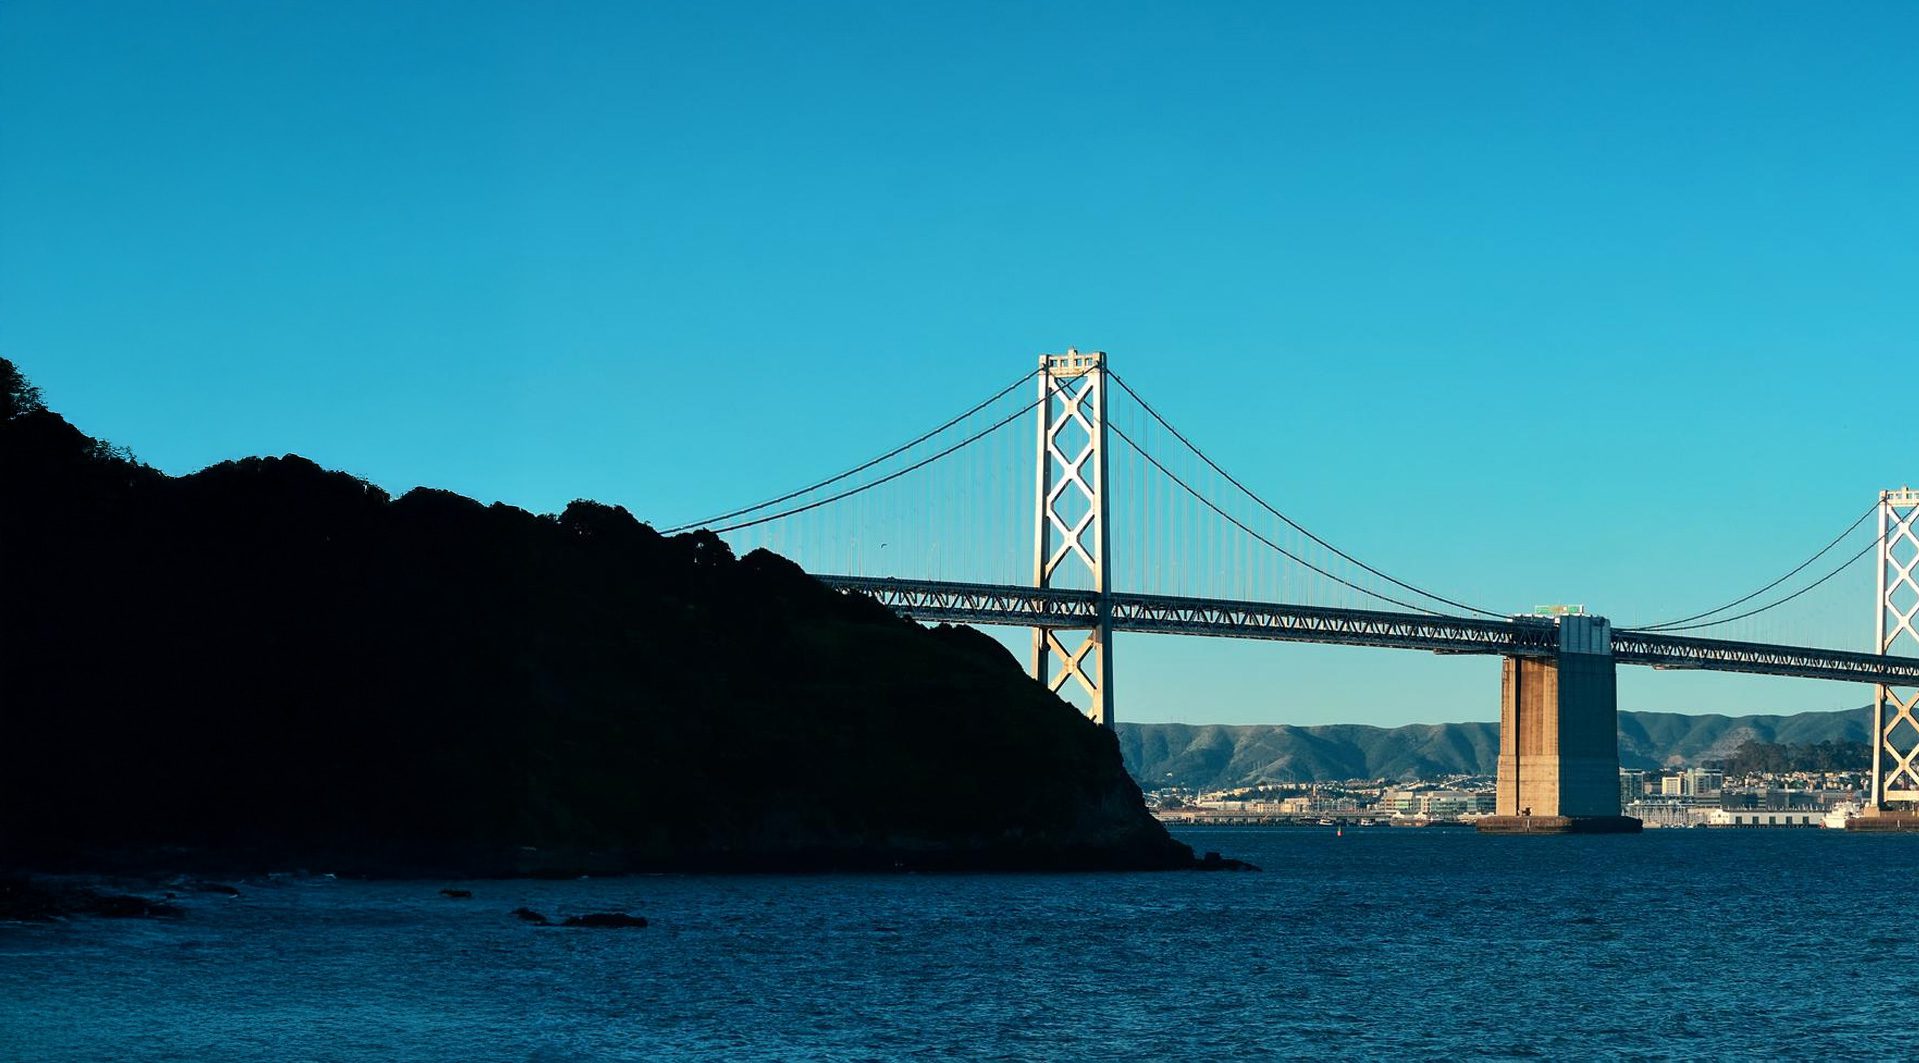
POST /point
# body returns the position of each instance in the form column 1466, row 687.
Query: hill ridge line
column 1218, row 755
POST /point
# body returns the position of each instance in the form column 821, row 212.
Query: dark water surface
column 1423, row 943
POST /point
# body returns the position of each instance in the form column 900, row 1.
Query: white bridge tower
column 1895, row 761
column 1071, row 535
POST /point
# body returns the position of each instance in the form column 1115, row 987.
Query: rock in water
column 28, row 900
column 458, row 895
column 528, row 915
column 608, row 919
column 1214, row 862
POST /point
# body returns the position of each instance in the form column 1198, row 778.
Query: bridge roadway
column 1521, row 636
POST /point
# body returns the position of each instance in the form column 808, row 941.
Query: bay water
column 1420, row 943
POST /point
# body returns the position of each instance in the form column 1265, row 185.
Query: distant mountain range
column 1209, row 756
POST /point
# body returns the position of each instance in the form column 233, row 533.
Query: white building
column 1693, row 782
column 1749, row 817
column 1437, row 804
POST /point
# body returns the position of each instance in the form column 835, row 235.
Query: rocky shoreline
column 184, row 868
column 33, row 899
column 62, row 890
column 266, row 664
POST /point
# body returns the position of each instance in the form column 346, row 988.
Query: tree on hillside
column 17, row 394
column 1778, row 758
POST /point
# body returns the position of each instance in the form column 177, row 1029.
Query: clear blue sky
column 1602, row 303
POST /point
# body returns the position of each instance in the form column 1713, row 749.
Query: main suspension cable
column 1209, row 504
column 1843, row 565
column 1801, row 567
column 1295, row 525
column 855, row 470
column 889, row 477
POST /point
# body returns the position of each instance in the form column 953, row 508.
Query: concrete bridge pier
column 1559, row 738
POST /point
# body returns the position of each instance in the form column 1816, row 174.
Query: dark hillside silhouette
column 268, row 661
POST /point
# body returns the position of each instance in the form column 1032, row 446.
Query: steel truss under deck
column 984, row 603
column 1719, row 655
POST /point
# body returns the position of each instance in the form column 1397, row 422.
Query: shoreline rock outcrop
column 37, row 900
column 266, row 664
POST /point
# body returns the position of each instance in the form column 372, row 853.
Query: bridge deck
column 984, row 603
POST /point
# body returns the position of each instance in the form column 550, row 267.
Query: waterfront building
column 1438, row 804
column 1667, row 812
column 1782, row 800
column 1399, row 802
column 1441, row 804
column 1692, row 782
column 1725, row 817
column 1632, row 786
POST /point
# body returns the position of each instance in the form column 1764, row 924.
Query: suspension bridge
column 935, row 528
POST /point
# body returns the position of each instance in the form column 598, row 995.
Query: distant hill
column 1219, row 755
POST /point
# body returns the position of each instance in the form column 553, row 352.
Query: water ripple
column 1417, row 944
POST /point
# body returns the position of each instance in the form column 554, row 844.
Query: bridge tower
column 1071, row 534
column 1895, row 715
column 1559, row 737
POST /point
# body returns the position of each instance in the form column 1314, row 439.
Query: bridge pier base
column 1883, row 820
column 1559, row 739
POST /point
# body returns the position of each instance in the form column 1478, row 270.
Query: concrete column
column 1559, row 736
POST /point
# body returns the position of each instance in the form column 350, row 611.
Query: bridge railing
column 981, row 603
column 1720, row 655
column 1352, row 627
column 975, row 603
column 989, row 603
